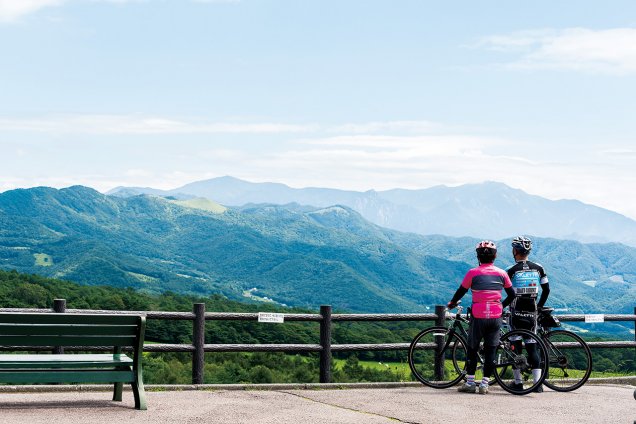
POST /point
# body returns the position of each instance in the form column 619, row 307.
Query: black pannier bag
column 546, row 319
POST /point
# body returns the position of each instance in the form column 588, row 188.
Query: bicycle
column 569, row 357
column 433, row 347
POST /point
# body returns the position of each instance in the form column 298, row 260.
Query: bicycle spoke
column 570, row 361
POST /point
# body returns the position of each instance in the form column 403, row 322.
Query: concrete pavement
column 591, row 404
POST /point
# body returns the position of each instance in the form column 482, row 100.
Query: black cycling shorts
column 487, row 329
column 523, row 314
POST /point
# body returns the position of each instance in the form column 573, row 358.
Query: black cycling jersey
column 526, row 277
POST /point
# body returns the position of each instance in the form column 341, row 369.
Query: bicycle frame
column 510, row 360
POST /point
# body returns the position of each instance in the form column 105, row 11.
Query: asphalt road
column 590, row 404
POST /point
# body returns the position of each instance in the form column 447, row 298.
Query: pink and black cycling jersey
column 486, row 282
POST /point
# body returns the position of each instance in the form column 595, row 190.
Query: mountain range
column 293, row 255
column 486, row 210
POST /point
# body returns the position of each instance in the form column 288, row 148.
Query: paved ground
column 590, row 404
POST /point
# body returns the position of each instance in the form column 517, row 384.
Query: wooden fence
column 324, row 347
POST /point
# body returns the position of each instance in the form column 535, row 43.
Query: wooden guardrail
column 324, row 347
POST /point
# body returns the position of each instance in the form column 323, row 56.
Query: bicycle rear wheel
column 515, row 363
column 437, row 357
column 570, row 361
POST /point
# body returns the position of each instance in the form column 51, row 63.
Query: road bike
column 569, row 357
column 437, row 356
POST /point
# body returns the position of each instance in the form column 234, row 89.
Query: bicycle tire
column 567, row 361
column 423, row 350
column 507, row 360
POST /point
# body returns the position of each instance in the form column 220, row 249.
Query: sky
column 349, row 94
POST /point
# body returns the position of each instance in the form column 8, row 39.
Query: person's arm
column 545, row 287
column 545, row 292
column 461, row 291
column 510, row 291
column 511, row 295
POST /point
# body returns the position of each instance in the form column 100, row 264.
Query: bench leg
column 118, row 389
column 140, row 395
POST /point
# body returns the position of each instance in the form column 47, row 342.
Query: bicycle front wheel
column 570, row 361
column 521, row 362
column 437, row 357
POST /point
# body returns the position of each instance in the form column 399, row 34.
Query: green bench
column 20, row 331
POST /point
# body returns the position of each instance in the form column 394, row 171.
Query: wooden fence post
column 440, row 311
column 198, row 340
column 325, row 342
column 59, row 306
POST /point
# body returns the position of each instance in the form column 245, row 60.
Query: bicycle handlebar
column 456, row 305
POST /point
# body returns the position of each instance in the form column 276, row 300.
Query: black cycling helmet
column 486, row 251
column 522, row 244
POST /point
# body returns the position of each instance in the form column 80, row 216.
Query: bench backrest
column 67, row 329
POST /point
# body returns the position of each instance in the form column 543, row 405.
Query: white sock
column 517, row 374
column 536, row 374
column 485, row 381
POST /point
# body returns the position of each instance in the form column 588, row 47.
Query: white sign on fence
column 271, row 317
column 595, row 318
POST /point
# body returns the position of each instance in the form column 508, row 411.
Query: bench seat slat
column 52, row 318
column 77, row 376
column 15, row 361
column 67, row 340
column 66, row 329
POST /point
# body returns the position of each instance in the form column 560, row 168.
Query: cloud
column 430, row 144
column 620, row 153
column 373, row 134
column 120, row 1
column 383, row 162
column 11, row 10
column 609, row 51
column 387, row 126
column 123, row 124
column 138, row 173
column 216, row 1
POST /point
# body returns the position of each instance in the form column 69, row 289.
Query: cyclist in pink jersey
column 486, row 282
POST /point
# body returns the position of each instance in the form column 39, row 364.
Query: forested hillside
column 32, row 291
column 155, row 245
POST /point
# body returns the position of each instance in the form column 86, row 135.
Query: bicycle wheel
column 514, row 362
column 432, row 360
column 570, row 361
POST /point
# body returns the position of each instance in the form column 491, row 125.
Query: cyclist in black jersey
column 526, row 277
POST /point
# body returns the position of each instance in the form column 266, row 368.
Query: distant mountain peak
column 483, row 210
column 337, row 210
column 81, row 189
